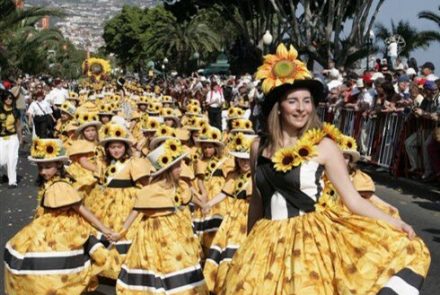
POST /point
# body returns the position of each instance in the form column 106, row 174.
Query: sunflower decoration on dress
column 68, row 108
column 304, row 150
column 47, row 150
column 332, row 131
column 235, row 113
column 166, row 155
column 115, row 132
column 86, row 119
column 162, row 133
column 10, row 123
column 242, row 125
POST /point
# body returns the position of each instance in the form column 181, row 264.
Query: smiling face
column 116, row 149
column 296, row 108
column 244, row 164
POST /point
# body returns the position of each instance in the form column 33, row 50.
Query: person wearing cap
column 160, row 247
column 40, row 116
column 362, row 182
column 112, row 200
column 211, row 170
column 237, row 191
column 10, row 137
column 300, row 240
column 428, row 71
column 58, row 250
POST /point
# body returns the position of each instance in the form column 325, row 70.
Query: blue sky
column 407, row 10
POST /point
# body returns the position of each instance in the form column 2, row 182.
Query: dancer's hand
column 408, row 230
column 114, row 237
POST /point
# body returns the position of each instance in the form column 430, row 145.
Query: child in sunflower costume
column 67, row 113
column 298, row 244
column 233, row 230
column 162, row 259
column 211, row 170
column 120, row 177
column 362, row 182
column 57, row 253
column 149, row 127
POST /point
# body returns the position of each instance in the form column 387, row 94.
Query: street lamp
column 369, row 43
column 165, row 60
column 267, row 39
column 196, row 56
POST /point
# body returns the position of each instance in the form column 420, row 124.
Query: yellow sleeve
column 228, row 166
column 200, row 167
column 60, row 194
column 140, row 167
column 229, row 186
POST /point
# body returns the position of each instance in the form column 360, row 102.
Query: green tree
column 414, row 39
column 434, row 17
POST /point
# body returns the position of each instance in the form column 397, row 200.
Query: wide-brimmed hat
column 47, row 150
column 71, row 126
column 283, row 72
column 81, row 146
column 151, row 124
column 166, row 155
column 235, row 113
column 240, row 145
column 167, row 99
column 210, row 134
column 242, row 125
column 68, row 108
column 169, row 113
column 196, row 123
column 163, row 133
column 193, row 110
column 115, row 132
column 348, row 146
column 154, row 108
column 87, row 119
column 105, row 109
column 143, row 100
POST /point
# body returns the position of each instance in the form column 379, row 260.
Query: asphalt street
column 419, row 205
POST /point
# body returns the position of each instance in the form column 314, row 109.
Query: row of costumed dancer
column 163, row 203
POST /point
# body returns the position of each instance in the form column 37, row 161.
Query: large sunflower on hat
column 51, row 149
column 280, row 68
column 173, row 147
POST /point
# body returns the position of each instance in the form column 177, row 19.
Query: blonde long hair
column 274, row 126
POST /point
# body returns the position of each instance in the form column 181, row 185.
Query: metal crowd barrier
column 381, row 138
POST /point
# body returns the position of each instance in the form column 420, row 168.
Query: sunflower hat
column 115, row 132
column 106, row 109
column 47, row 150
column 209, row 134
column 154, row 108
column 240, row 145
column 166, row 155
column 143, row 100
column 348, row 146
column 169, row 113
column 282, row 72
column 151, row 123
column 163, row 133
column 68, row 108
column 86, row 119
column 235, row 113
column 194, row 110
column 167, row 99
column 242, row 125
column 196, row 123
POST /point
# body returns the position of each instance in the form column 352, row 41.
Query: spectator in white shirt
column 214, row 101
column 428, row 71
column 40, row 115
column 56, row 97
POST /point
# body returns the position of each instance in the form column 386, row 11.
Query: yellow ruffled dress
column 161, row 259
column 304, row 245
column 214, row 173
column 57, row 253
column 113, row 201
column 232, row 232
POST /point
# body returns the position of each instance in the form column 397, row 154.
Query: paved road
column 417, row 207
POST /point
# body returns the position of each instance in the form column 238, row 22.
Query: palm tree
column 414, row 39
column 432, row 16
column 181, row 40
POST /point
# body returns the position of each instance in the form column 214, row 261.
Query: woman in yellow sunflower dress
column 233, row 230
column 114, row 199
column 211, row 171
column 162, row 259
column 299, row 241
column 58, row 252
column 85, row 153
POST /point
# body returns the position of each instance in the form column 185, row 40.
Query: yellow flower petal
column 282, row 51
